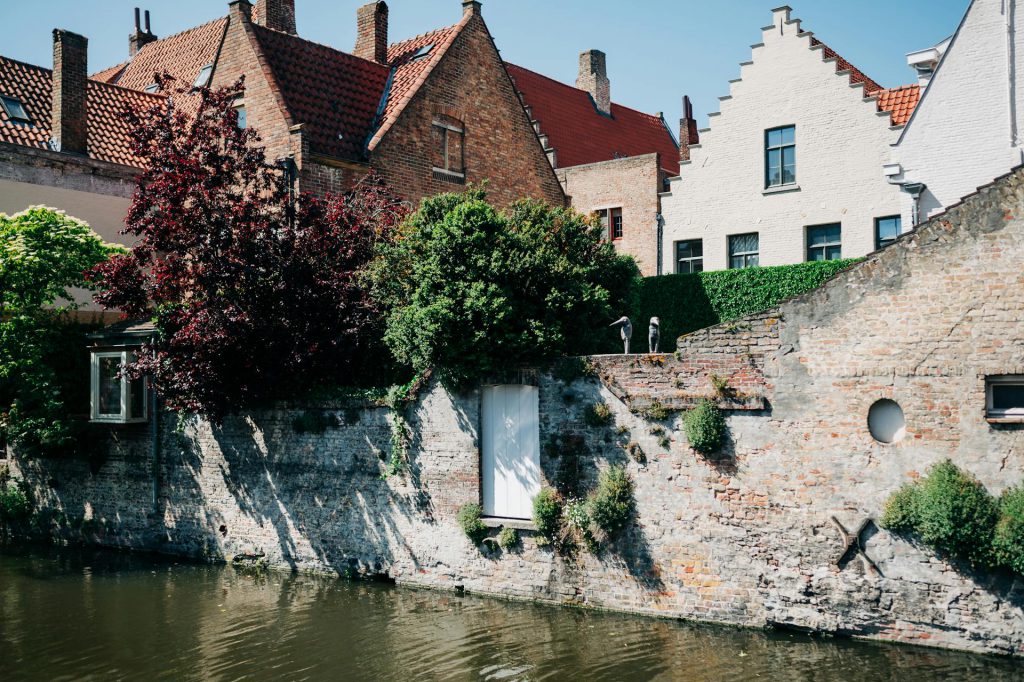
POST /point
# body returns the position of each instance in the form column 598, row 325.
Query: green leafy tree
column 44, row 255
column 471, row 290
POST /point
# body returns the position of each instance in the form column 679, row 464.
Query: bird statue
column 654, row 335
column 626, row 333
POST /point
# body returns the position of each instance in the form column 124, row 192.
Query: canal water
column 78, row 615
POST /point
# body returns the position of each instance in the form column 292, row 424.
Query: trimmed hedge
column 686, row 303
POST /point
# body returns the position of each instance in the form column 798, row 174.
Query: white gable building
column 968, row 127
column 789, row 170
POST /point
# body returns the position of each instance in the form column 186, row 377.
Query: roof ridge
column 179, row 34
column 293, row 36
column 815, row 42
column 23, row 63
column 423, row 35
column 567, row 85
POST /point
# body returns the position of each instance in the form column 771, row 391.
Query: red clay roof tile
column 183, row 55
column 900, row 102
column 580, row 134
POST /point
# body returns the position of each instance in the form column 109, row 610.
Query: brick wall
column 501, row 146
column 631, row 184
column 758, row 534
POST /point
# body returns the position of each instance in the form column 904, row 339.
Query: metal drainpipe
column 1009, row 9
column 154, row 431
column 661, row 237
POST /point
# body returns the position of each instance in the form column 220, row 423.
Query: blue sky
column 658, row 50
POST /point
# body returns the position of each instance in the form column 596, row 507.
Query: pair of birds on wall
column 653, row 333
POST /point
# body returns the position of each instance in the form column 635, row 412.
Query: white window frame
column 203, row 77
column 991, row 412
column 15, row 109
column 124, row 356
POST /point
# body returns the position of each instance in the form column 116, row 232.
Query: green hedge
column 686, row 303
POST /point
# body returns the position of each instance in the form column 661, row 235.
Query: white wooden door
column 511, row 450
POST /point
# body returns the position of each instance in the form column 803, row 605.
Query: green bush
column 705, row 427
column 598, row 415
column 14, row 502
column 610, row 506
column 900, row 513
column 655, row 412
column 547, row 513
column 1008, row 543
column 508, row 539
column 472, row 526
column 686, row 303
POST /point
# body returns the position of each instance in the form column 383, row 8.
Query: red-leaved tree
column 256, row 294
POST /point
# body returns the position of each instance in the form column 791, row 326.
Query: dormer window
column 15, row 110
column 203, row 79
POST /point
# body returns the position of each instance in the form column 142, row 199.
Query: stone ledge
column 498, row 522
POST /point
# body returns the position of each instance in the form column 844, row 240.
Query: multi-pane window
column 689, row 256
column 611, row 222
column 744, row 250
column 115, row 397
column 14, row 109
column 1005, row 397
column 203, row 79
column 887, row 230
column 780, row 156
column 449, row 141
column 825, row 242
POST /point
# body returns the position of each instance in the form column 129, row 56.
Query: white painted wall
column 962, row 135
column 842, row 144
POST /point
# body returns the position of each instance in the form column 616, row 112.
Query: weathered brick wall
column 631, row 184
column 755, row 535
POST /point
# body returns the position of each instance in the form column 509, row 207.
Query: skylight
column 423, row 51
column 153, row 88
column 203, row 79
column 15, row 110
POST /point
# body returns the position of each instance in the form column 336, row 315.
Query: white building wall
column 962, row 135
column 842, row 143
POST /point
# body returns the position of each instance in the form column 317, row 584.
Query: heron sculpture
column 626, row 332
column 654, row 335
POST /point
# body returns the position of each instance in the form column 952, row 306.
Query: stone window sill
column 449, row 176
column 782, row 189
column 1005, row 420
column 518, row 524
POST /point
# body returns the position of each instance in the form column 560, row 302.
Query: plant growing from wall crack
column 470, row 522
column 705, row 427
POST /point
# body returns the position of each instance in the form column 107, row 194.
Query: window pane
column 243, row 118
column 788, row 165
column 788, row 135
column 743, row 243
column 439, row 147
column 753, row 261
column 110, row 386
column 1008, row 396
column 774, row 138
column 455, row 141
column 697, row 265
column 736, row 262
column 833, row 252
column 774, row 167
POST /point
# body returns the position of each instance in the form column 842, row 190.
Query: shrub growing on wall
column 705, row 427
column 1008, row 541
column 611, row 504
column 472, row 291
column 470, row 521
column 547, row 513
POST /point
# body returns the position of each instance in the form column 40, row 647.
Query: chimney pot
column 69, row 111
column 276, row 14
column 471, row 7
column 593, row 78
column 140, row 38
column 372, row 32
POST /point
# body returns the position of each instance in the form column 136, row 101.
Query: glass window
column 780, row 156
column 1005, row 396
column 152, row 89
column 203, row 79
column 744, row 250
column 116, row 398
column 611, row 222
column 110, row 386
column 449, row 145
column 243, row 117
column 887, row 230
column 824, row 242
column 616, row 223
column 15, row 110
column 690, row 256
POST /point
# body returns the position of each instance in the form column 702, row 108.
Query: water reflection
column 81, row 615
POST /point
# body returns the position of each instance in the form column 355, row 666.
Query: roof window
column 152, row 89
column 14, row 109
column 423, row 51
column 203, row 79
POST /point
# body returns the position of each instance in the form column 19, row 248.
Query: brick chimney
column 276, row 14
column 594, row 79
column 372, row 32
column 688, row 134
column 470, row 7
column 140, row 38
column 70, row 75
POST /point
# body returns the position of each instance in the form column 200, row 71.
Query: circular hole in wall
column 886, row 422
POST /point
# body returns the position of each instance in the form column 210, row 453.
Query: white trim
column 990, row 383
column 124, row 356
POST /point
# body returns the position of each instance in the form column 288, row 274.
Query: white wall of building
column 842, row 142
column 967, row 129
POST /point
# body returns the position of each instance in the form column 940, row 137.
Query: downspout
column 154, row 432
column 661, row 236
column 1009, row 9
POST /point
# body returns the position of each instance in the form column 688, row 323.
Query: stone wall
column 779, row 528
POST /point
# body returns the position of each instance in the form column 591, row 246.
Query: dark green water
column 67, row 615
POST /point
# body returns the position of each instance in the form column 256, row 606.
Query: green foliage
column 705, row 427
column 721, row 386
column 547, row 513
column 15, row 504
column 472, row 526
column 656, row 411
column 1008, row 542
column 636, row 453
column 686, row 303
column 508, row 539
column 316, row 422
column 598, row 415
column 43, row 256
column 473, row 291
column 950, row 511
column 611, row 504
column 568, row 370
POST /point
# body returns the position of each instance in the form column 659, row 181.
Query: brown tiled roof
column 109, row 135
column 900, row 102
column 856, row 75
column 111, row 74
column 580, row 134
column 182, row 55
column 335, row 94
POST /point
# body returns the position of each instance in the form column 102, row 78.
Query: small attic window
column 423, row 52
column 15, row 110
column 152, row 89
column 203, row 79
